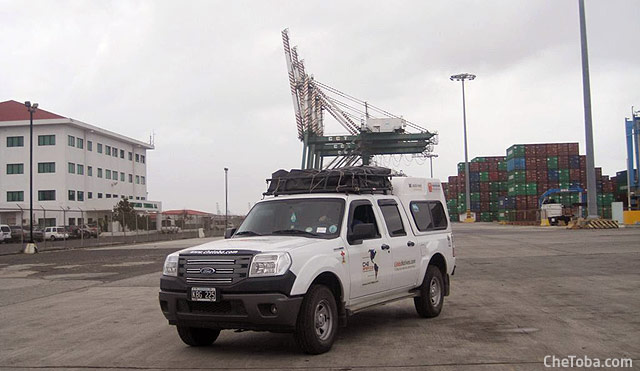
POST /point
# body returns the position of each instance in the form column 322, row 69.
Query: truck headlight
column 171, row 265
column 270, row 264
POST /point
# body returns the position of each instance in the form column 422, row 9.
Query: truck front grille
column 210, row 271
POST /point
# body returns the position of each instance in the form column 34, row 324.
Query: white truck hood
column 262, row 244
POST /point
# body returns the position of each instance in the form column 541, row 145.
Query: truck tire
column 197, row 337
column 429, row 303
column 317, row 322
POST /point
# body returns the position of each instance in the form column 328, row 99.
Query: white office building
column 80, row 171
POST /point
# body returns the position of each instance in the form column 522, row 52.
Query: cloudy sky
column 209, row 77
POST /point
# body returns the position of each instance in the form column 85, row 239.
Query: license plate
column 203, row 294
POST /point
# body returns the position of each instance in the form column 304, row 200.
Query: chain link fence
column 69, row 228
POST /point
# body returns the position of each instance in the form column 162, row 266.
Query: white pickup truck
column 303, row 263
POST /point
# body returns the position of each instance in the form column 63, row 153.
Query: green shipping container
column 517, row 189
column 484, row 176
column 517, row 176
column 494, row 186
column 502, row 165
column 532, row 189
column 552, row 162
column 563, row 175
column 516, row 150
column 564, row 185
column 475, row 196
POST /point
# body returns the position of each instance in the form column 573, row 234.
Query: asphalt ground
column 519, row 294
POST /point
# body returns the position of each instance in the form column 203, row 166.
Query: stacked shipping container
column 509, row 188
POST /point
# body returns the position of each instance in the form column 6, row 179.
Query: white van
column 303, row 263
column 55, row 233
column 5, row 230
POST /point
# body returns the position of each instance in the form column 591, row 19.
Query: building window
column 15, row 196
column 108, row 174
column 131, row 197
column 80, row 143
column 89, row 171
column 99, row 147
column 80, row 169
column 143, row 198
column 107, row 195
column 130, row 156
column 15, row 141
column 99, row 195
column 138, row 198
column 99, row 172
column 122, row 153
column 142, row 179
column 72, row 168
column 46, row 140
column 72, row 141
column 137, row 157
column 89, row 145
column 89, row 195
column 15, row 169
column 122, row 177
column 107, row 150
column 46, row 167
column 130, row 178
column 80, row 195
column 115, row 175
column 137, row 179
column 48, row 195
column 142, row 159
column 114, row 153
column 72, row 195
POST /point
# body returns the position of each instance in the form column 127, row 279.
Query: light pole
column 226, row 199
column 431, row 156
column 31, row 108
column 592, row 208
column 462, row 77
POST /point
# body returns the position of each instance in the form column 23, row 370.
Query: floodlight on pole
column 461, row 77
column 431, row 156
column 31, row 246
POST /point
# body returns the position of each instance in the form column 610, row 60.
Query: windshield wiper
column 294, row 231
column 248, row 233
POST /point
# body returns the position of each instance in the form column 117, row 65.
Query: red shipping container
column 530, row 163
column 484, row 206
column 494, row 176
column 484, row 197
column 574, row 175
column 521, row 202
column 563, row 149
column 541, row 163
column 503, row 176
column 484, row 187
column 563, row 162
column 542, row 175
column 531, row 175
column 552, row 149
column 542, row 187
column 553, row 185
column 541, row 150
column 529, row 150
column 503, row 193
column 574, row 149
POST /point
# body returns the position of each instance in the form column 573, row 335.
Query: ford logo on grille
column 207, row 270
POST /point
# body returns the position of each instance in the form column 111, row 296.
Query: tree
column 123, row 210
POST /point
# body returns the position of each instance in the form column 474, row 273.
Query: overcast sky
column 209, row 78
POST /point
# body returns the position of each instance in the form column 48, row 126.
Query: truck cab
column 304, row 263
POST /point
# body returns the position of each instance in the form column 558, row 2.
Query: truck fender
column 315, row 267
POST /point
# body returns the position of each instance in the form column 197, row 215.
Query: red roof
column 16, row 111
column 185, row 211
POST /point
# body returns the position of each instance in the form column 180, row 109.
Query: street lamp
column 431, row 156
column 31, row 247
column 226, row 199
column 462, row 77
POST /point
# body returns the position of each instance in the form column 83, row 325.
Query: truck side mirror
column 362, row 231
column 229, row 232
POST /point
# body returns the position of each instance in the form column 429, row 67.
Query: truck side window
column 362, row 214
column 421, row 215
column 438, row 215
column 393, row 220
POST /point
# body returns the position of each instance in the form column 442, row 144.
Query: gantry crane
column 366, row 135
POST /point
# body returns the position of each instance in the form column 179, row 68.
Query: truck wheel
column 317, row 323
column 429, row 303
column 197, row 337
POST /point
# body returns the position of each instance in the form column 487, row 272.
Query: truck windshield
column 315, row 218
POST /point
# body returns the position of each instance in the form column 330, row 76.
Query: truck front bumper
column 260, row 311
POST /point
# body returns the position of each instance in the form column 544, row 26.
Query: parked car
column 6, row 232
column 38, row 234
column 78, row 232
column 55, row 233
column 18, row 234
column 93, row 230
column 303, row 263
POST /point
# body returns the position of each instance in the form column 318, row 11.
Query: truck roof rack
column 352, row 179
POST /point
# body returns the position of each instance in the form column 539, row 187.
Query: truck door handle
column 384, row 247
column 411, row 243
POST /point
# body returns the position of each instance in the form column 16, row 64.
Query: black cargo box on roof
column 352, row 179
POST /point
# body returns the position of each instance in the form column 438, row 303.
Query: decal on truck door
column 369, row 268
